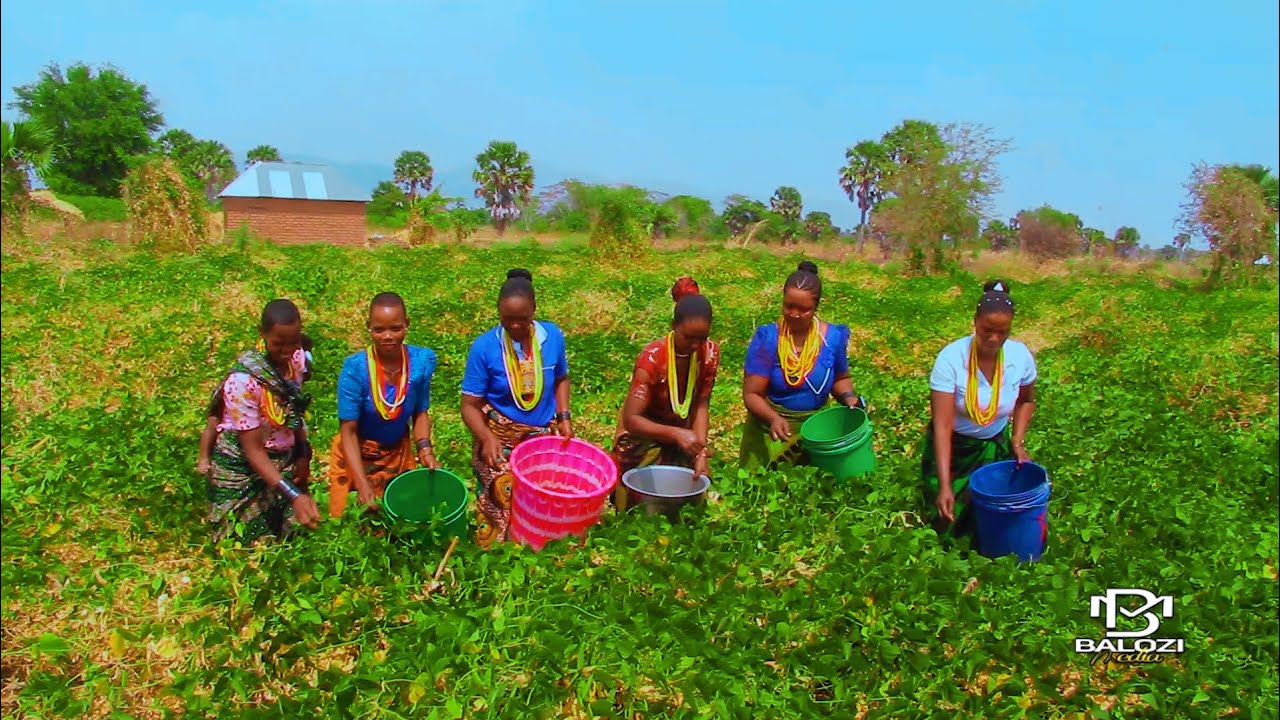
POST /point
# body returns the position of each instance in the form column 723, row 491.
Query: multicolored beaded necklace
column 378, row 381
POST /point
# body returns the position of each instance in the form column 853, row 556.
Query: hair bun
column 996, row 286
column 519, row 273
column 808, row 266
column 684, row 286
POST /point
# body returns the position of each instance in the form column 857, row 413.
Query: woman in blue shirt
column 793, row 366
column 384, row 395
column 516, row 386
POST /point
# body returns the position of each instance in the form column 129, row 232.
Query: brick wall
column 290, row 222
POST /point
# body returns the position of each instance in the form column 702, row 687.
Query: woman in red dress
column 665, row 417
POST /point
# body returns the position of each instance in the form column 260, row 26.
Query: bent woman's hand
column 688, row 442
column 491, row 451
column 306, row 512
column 779, row 428
column 946, row 503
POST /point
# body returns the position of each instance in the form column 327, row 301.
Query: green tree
column 861, row 178
column 103, row 119
column 694, row 214
column 1180, row 242
column 262, row 153
column 208, row 165
column 817, row 225
column 742, row 214
column 997, row 235
column 618, row 233
column 1126, row 241
column 504, row 174
column 1050, row 233
column 1230, row 210
column 413, row 171
column 661, row 220
column 787, row 204
column 388, row 204
column 942, row 181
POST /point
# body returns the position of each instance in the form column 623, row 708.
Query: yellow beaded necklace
column 514, row 366
column 796, row 366
column 680, row 408
column 977, row 413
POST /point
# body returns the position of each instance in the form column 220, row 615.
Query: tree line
column 923, row 190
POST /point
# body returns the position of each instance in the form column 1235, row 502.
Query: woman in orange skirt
column 384, row 398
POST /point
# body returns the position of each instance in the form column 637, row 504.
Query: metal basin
column 664, row 489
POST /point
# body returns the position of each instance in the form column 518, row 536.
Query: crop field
column 785, row 597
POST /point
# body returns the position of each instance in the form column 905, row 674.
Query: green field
column 786, row 597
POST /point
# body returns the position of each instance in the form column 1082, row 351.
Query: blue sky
column 1108, row 104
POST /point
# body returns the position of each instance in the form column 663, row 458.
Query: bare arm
column 207, row 439
column 422, row 431
column 255, row 453
column 473, row 417
column 355, row 463
column 633, row 419
column 843, row 387
column 1023, row 410
column 753, row 396
column 562, row 405
column 942, row 405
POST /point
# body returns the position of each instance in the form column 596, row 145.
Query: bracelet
column 424, row 444
column 562, row 416
column 844, row 396
column 288, row 490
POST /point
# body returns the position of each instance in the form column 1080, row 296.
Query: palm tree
column 860, row 178
column 26, row 148
column 262, row 153
column 413, row 170
column 787, row 204
column 504, row 175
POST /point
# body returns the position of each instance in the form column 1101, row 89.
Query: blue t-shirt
column 355, row 399
column 833, row 361
column 486, row 374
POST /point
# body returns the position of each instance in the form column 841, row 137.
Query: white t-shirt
column 951, row 375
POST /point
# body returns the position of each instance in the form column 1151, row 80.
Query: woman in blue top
column 793, row 366
column 384, row 394
column 516, row 386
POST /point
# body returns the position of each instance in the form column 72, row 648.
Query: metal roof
column 299, row 181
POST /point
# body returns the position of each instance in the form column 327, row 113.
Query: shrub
column 162, row 208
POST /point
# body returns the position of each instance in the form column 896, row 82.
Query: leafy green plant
column 785, row 596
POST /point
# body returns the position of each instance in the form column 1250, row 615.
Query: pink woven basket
column 560, row 488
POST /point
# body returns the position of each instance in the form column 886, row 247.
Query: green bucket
column 420, row 495
column 838, row 440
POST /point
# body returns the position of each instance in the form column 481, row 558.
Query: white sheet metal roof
column 298, row 181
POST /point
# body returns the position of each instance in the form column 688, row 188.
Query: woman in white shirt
column 979, row 384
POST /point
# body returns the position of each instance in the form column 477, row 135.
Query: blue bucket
column 1011, row 507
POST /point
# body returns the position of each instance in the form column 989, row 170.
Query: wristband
column 288, row 490
column 424, row 444
column 562, row 416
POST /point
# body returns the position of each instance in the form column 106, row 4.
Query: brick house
column 293, row 203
